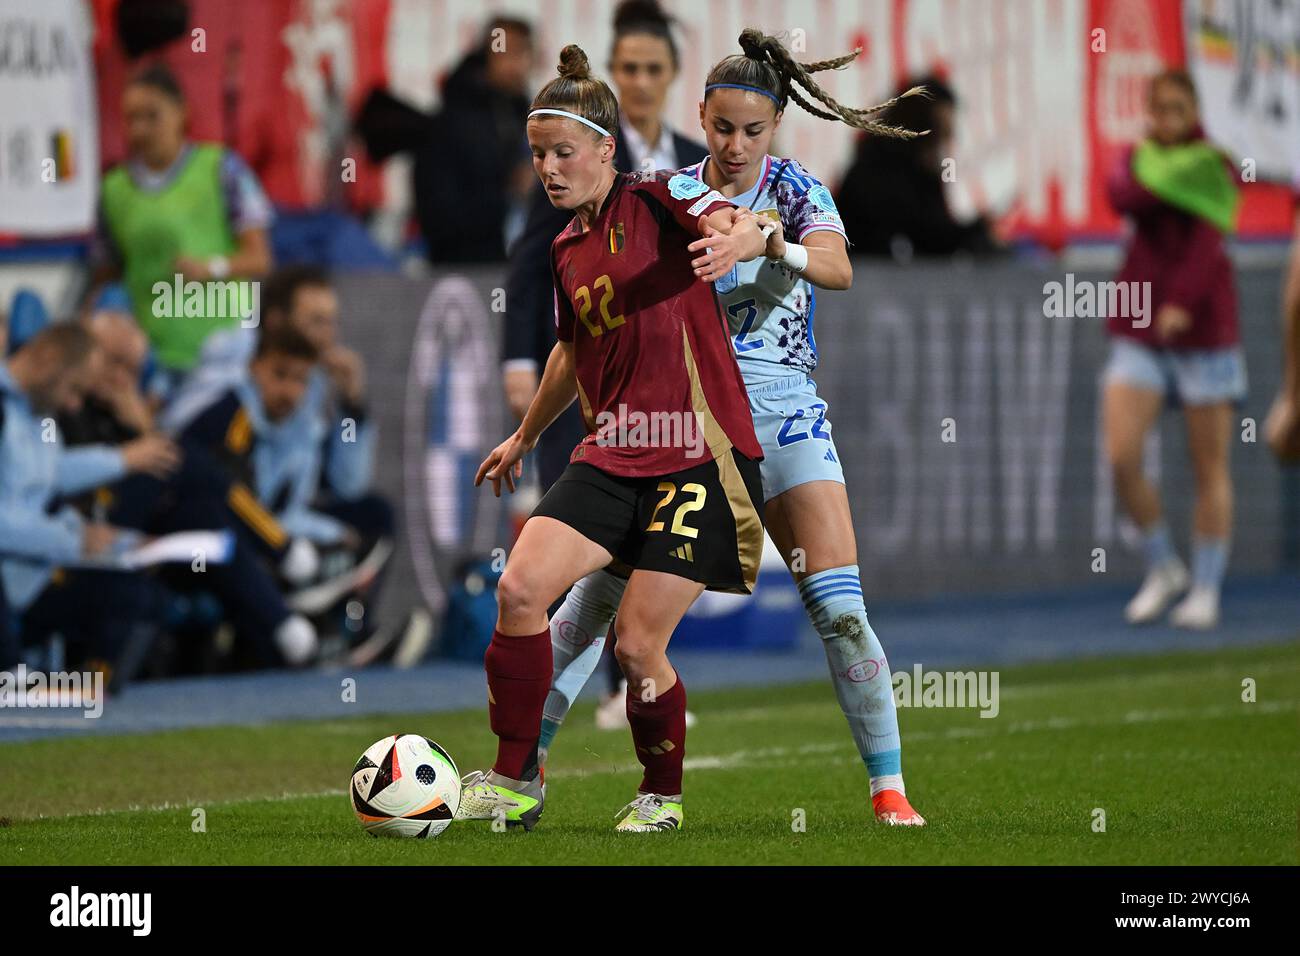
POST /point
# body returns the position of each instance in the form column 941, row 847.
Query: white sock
column 301, row 562
column 296, row 639
column 888, row 781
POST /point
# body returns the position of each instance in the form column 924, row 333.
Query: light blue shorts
column 1184, row 377
column 791, row 424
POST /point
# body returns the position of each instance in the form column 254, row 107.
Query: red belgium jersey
column 657, row 376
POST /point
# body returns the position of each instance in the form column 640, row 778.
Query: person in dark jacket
column 1180, row 344
column 643, row 63
column 892, row 198
column 473, row 168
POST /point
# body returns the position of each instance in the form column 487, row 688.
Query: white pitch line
column 42, row 723
column 769, row 756
column 1020, row 691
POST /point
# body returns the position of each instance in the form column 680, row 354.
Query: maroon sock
column 519, row 678
column 659, row 732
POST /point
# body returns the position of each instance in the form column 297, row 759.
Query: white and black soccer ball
column 405, row 786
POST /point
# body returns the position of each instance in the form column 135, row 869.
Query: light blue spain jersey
column 769, row 306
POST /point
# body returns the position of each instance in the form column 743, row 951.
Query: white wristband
column 219, row 267
column 796, row 256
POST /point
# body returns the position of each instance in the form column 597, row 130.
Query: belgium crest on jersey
column 616, row 239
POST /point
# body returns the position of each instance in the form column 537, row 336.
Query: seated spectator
column 892, row 198
column 335, row 402
column 474, row 168
column 177, row 209
column 268, row 428
column 168, row 492
column 332, row 413
column 100, row 613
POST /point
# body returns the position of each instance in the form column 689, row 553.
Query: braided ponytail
column 767, row 65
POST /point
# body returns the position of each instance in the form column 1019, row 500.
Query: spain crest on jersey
column 616, row 239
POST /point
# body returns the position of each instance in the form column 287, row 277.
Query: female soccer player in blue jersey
column 769, row 305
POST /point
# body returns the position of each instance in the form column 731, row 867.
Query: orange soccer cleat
column 892, row 808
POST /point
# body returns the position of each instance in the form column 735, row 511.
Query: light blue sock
column 578, row 632
column 859, row 670
column 1209, row 562
column 1159, row 545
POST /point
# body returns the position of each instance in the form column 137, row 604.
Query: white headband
column 581, row 119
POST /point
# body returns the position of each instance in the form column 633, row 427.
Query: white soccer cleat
column 490, row 796
column 1158, row 591
column 651, row 813
column 611, row 712
column 1198, row 611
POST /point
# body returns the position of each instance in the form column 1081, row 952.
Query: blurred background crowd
column 152, row 151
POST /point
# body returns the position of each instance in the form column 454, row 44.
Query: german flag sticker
column 616, row 239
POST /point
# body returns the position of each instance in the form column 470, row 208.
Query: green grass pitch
column 1184, row 770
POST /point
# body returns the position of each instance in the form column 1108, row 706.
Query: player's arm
column 249, row 213
column 251, row 259
column 807, row 235
column 727, row 235
column 1291, row 320
column 558, row 389
column 827, row 265
column 1282, row 429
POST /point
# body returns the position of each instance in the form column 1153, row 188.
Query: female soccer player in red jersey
column 770, row 304
column 667, row 481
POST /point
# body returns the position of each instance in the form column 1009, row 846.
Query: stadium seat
column 27, row 316
column 113, row 298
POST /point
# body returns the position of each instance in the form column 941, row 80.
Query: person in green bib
column 182, row 224
column 1175, row 340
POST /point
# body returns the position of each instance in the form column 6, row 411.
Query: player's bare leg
column 1129, row 413
column 653, row 605
column 548, row 557
column 812, row 527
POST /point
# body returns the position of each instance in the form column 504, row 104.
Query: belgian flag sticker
column 61, row 149
column 616, row 239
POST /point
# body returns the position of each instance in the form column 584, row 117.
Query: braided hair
column 767, row 65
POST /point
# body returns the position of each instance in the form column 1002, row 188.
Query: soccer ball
column 405, row 786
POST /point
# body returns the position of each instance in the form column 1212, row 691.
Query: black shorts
column 702, row 523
